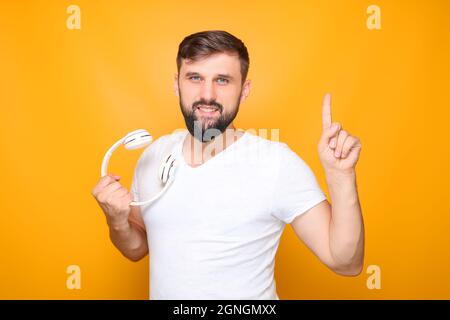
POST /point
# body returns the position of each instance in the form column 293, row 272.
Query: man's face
column 210, row 91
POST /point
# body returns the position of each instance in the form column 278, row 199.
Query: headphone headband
column 138, row 139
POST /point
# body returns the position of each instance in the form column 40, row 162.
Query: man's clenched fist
column 114, row 199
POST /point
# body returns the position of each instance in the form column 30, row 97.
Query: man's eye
column 223, row 80
column 196, row 78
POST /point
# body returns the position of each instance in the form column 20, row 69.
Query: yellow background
column 67, row 95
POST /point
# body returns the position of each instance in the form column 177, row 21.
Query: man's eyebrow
column 221, row 75
column 190, row 73
column 227, row 76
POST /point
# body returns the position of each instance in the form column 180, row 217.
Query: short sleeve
column 135, row 188
column 295, row 188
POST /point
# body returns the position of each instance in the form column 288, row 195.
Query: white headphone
column 138, row 139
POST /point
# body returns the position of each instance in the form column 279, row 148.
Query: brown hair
column 204, row 43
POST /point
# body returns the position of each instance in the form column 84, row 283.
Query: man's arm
column 336, row 233
column 126, row 227
column 130, row 237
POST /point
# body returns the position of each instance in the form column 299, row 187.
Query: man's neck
column 197, row 152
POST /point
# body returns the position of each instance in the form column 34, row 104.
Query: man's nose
column 208, row 91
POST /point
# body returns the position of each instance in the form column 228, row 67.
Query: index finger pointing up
column 326, row 111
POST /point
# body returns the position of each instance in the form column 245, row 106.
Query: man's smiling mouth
column 204, row 109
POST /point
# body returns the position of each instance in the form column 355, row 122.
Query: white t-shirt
column 215, row 231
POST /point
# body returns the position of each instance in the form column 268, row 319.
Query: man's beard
column 208, row 129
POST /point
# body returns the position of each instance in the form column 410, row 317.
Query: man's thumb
column 331, row 132
column 115, row 176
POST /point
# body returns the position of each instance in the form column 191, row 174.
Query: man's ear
column 175, row 85
column 246, row 89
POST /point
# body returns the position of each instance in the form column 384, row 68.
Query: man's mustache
column 207, row 103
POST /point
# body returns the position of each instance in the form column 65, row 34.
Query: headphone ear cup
column 167, row 168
